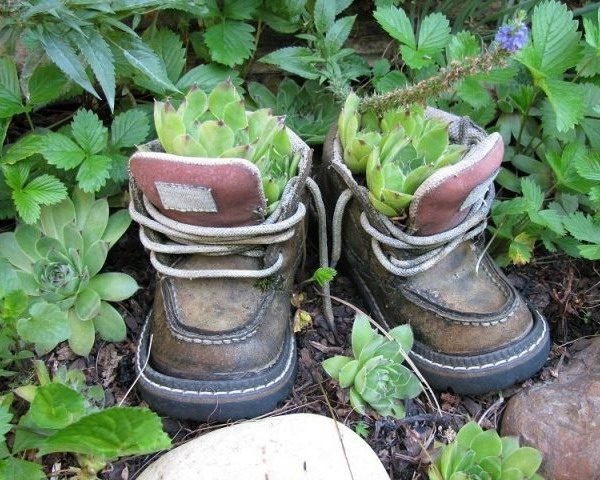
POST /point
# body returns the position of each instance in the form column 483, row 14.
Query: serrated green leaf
column 23, row 148
column 588, row 166
column 391, row 81
column 323, row 15
column 16, row 468
column 89, row 132
column 474, row 93
column 65, row 58
column 297, row 60
column 46, row 190
column 111, row 433
column 555, row 41
column 113, row 287
column 240, row 9
column 99, row 57
column 110, row 324
column 583, row 227
column 434, row 33
column 56, row 406
column 10, row 93
column 396, row 23
column 130, row 128
column 27, row 208
column 46, row 84
column 141, row 57
column 93, row 173
column 230, row 42
column 337, row 35
column 533, row 194
column 566, row 99
column 463, row 45
column 46, row 324
column 60, row 151
column 521, row 248
column 169, row 47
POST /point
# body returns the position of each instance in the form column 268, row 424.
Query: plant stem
column 434, row 86
column 31, row 126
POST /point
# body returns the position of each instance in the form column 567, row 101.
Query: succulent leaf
column 109, row 323
column 221, row 96
column 334, row 364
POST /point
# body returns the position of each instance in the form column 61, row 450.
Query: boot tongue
column 207, row 192
column 445, row 198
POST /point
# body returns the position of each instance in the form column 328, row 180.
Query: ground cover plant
column 77, row 88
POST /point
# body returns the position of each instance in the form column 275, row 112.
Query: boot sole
column 477, row 374
column 218, row 400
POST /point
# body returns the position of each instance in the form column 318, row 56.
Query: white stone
column 300, row 446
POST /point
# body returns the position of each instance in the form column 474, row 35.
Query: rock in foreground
column 561, row 418
column 298, row 446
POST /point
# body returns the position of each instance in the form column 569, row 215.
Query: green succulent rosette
column 476, row 454
column 375, row 374
column 396, row 152
column 56, row 263
column 217, row 125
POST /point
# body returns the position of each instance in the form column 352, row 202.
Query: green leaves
column 60, row 419
column 10, row 93
column 478, row 454
column 433, row 37
column 111, row 433
column 555, row 41
column 554, row 49
column 300, row 61
column 230, row 42
column 57, row 261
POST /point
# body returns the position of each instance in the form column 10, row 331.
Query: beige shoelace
column 249, row 241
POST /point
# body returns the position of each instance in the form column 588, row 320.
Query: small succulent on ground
column 375, row 374
column 476, row 454
column 56, row 263
column 397, row 151
column 217, row 125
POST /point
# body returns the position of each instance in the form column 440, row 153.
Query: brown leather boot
column 217, row 344
column 474, row 333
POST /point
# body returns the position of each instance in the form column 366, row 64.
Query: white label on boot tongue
column 186, row 198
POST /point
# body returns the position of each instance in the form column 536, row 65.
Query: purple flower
column 512, row 37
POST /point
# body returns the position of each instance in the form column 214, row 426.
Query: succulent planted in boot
column 57, row 261
column 217, row 125
column 396, row 152
column 375, row 374
column 484, row 455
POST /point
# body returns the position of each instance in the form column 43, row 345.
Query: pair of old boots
column 218, row 343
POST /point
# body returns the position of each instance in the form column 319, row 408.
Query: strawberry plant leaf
column 88, row 130
column 130, row 128
column 62, row 152
column 434, row 34
column 240, row 9
column 566, row 99
column 46, row 84
column 111, row 433
column 396, row 23
column 555, row 41
column 230, row 42
column 93, row 173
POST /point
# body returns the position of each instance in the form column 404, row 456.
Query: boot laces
column 250, row 241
